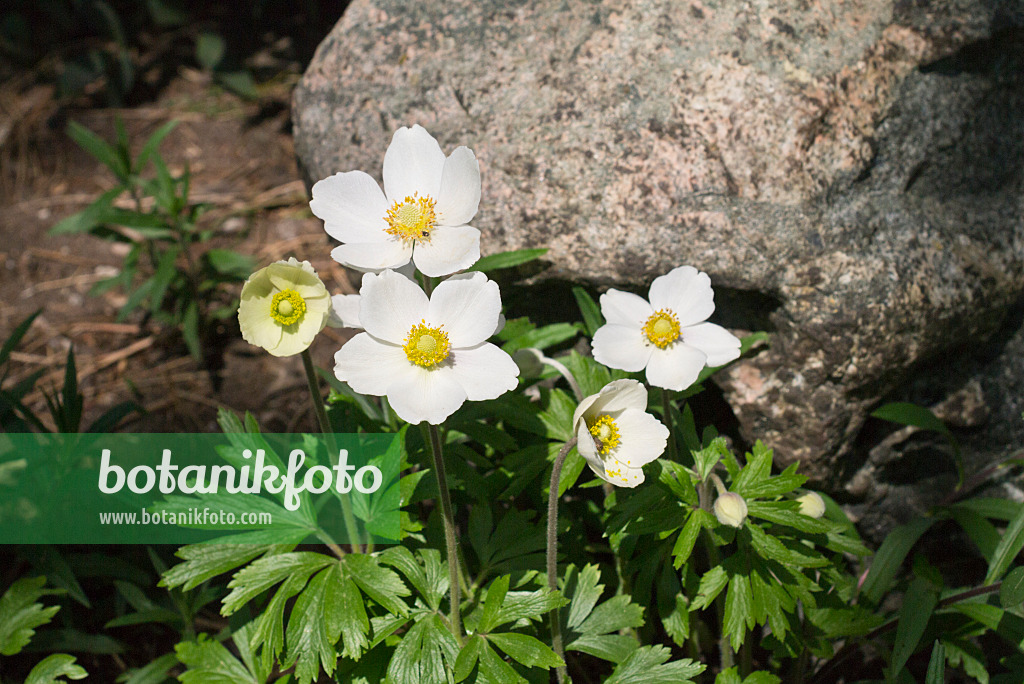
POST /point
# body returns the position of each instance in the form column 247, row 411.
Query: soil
column 243, row 167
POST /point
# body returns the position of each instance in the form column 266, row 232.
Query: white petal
column 675, row 367
column 390, row 305
column 643, row 438
column 352, row 206
column 374, row 256
column 581, row 410
column 298, row 276
column 686, row 292
column 450, row 249
column 484, row 371
column 618, row 346
column 413, row 163
column 425, row 395
column 344, row 312
column 623, row 476
column 720, row 345
column 459, row 196
column 625, row 308
column 369, row 366
column 468, row 307
column 258, row 328
column 588, row 450
column 620, row 395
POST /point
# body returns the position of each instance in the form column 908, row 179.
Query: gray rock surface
column 857, row 164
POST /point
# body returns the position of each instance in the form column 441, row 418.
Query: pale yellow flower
column 283, row 307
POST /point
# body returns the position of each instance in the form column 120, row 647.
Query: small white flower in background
column 428, row 356
column 616, row 435
column 667, row 335
column 730, row 509
column 283, row 307
column 422, row 214
column 811, row 504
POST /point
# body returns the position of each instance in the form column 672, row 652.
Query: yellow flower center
column 287, row 307
column 411, row 219
column 605, row 433
column 662, row 328
column 426, row 346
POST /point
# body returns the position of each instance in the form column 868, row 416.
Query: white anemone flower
column 422, row 214
column 428, row 356
column 667, row 335
column 282, row 307
column 616, row 435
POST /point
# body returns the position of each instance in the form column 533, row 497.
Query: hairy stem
column 552, row 554
column 450, row 540
column 325, row 427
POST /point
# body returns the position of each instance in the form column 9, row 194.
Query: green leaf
column 468, row 657
column 788, row 513
column 983, row 533
column 429, row 576
column 153, row 143
column 15, row 337
column 257, row 577
column 542, row 338
column 936, row 665
column 890, row 556
column 53, row 667
column 88, row 218
column 613, row 615
column 711, row 584
column 918, row 605
column 239, row 82
column 20, row 614
column 1008, row 548
column 526, row 650
column 230, row 263
column 210, row 49
column 209, row 662
column 730, row 676
column 423, row 652
column 1011, row 593
column 739, row 610
column 153, row 672
column 648, row 665
column 381, row 584
column 612, row 647
column 105, row 153
column 585, row 595
column 492, row 604
column 203, row 561
column 190, row 329
column 591, row 312
column 328, row 601
column 533, row 605
column 495, row 669
column 848, row 621
column 493, row 262
column 910, row 414
column 685, row 541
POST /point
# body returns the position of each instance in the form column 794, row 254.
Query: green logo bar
column 188, row 488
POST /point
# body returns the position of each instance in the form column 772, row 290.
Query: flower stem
column 666, row 405
column 450, row 540
column 552, row 553
column 325, row 427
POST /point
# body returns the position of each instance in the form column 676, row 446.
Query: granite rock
column 854, row 167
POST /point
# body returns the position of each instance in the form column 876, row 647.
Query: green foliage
column 65, row 406
column 20, row 615
column 163, row 273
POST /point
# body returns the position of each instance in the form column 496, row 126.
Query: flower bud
column 812, row 505
column 530, row 362
column 731, row 509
